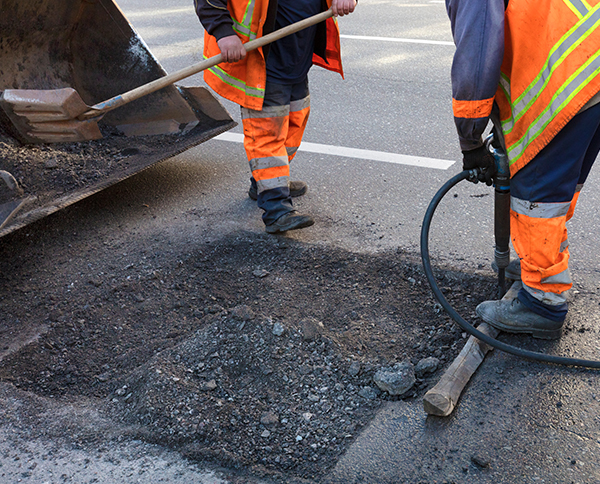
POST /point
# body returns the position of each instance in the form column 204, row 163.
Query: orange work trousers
column 272, row 137
column 543, row 198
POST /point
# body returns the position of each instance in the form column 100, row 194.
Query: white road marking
column 370, row 155
column 397, row 39
column 189, row 9
column 161, row 12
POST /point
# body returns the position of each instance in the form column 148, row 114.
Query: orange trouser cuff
column 539, row 244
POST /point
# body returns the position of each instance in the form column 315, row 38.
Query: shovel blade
column 49, row 116
column 40, row 106
column 72, row 131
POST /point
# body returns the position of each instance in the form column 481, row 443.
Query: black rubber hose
column 513, row 350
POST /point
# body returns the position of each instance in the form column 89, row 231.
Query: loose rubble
column 397, row 380
column 256, row 365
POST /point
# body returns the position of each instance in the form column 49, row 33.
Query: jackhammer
column 501, row 211
column 501, row 184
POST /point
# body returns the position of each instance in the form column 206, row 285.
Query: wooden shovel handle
column 138, row 92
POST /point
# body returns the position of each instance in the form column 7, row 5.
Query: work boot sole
column 292, row 223
column 536, row 333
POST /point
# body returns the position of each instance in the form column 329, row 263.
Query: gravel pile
column 267, row 394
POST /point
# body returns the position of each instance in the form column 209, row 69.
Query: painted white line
column 397, row 39
column 161, row 12
column 369, row 155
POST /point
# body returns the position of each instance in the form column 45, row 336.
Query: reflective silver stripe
column 539, row 210
column 563, row 277
column 266, row 112
column 576, row 35
column 578, row 187
column 236, row 83
column 268, row 162
column 291, row 150
column 271, row 183
column 242, row 29
column 550, row 298
column 564, row 244
column 300, row 104
column 579, row 6
column 559, row 101
column 244, row 26
column 505, row 84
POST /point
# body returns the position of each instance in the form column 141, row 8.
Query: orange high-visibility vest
column 244, row 82
column 550, row 70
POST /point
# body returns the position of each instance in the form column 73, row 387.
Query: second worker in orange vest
column 271, row 86
column 533, row 68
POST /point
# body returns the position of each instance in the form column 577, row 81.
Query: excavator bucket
column 89, row 46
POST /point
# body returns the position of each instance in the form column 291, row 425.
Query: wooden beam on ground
column 443, row 397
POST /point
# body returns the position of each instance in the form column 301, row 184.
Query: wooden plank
column 443, row 397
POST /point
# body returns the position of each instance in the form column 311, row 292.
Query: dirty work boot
column 297, row 189
column 289, row 221
column 513, row 271
column 513, row 317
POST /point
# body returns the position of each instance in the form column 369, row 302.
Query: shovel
column 61, row 115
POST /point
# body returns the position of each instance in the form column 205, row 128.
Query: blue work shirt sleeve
column 478, row 31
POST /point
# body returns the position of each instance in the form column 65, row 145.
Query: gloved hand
column 480, row 158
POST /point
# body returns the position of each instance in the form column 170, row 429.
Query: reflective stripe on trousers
column 543, row 198
column 539, row 237
column 272, row 137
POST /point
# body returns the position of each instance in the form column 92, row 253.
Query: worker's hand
column 480, row 158
column 342, row 7
column 231, row 48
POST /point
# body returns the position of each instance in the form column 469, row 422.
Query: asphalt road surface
column 378, row 146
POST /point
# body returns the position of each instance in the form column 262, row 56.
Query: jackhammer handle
column 502, row 235
column 502, row 224
column 138, row 92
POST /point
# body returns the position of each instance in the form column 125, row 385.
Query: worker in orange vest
column 271, row 86
column 532, row 68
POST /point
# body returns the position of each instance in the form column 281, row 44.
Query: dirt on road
column 254, row 352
